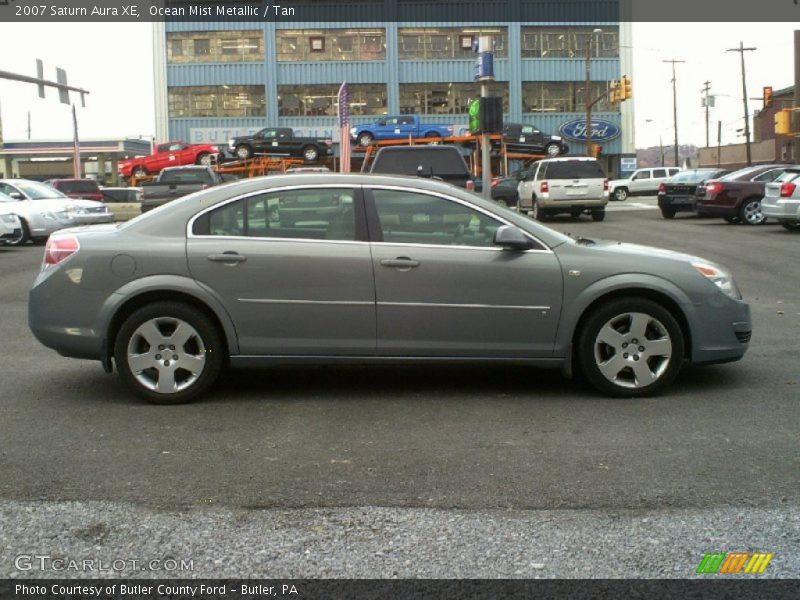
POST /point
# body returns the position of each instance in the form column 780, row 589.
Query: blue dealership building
column 215, row 79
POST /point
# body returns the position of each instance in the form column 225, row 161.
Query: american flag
column 76, row 150
column 344, row 126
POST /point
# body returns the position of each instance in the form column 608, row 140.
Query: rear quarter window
column 788, row 176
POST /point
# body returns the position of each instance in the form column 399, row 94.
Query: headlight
column 353, row 130
column 719, row 277
column 555, row 137
column 214, row 149
column 231, row 143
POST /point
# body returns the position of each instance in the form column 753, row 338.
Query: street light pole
column 741, row 50
column 675, row 106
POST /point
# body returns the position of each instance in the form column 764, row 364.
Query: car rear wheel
column 243, row 152
column 552, row 149
column 791, row 225
column 310, row 153
column 168, row 352
column 139, row 172
column 204, row 159
column 621, row 194
column 364, row 139
column 537, row 212
column 433, row 138
column 630, row 347
column 750, row 212
column 599, row 214
column 668, row 213
column 23, row 239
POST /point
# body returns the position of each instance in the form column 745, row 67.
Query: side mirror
column 520, row 175
column 16, row 195
column 512, row 238
column 382, row 122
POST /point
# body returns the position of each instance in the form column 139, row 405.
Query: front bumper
column 11, row 236
column 94, row 218
column 722, row 331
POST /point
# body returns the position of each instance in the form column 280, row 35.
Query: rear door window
column 659, row 173
column 574, row 169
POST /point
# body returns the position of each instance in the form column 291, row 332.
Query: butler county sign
column 602, row 131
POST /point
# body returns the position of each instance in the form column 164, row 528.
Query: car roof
column 568, row 158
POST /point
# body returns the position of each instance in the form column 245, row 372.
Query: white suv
column 642, row 182
column 574, row 185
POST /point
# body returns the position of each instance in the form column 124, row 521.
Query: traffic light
column 486, row 115
column 625, row 89
column 783, row 122
column 474, row 116
column 613, row 95
column 595, row 150
column 767, row 96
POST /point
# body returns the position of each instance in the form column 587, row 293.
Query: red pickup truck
column 168, row 154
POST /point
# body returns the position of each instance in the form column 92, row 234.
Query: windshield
column 694, row 175
column 78, row 187
column 38, row 191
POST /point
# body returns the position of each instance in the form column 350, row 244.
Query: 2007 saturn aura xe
column 324, row 268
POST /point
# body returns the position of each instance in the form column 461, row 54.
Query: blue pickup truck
column 398, row 128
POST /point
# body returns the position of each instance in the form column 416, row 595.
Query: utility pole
column 675, row 105
column 705, row 90
column 588, row 91
column 719, row 143
column 741, row 50
column 29, row 124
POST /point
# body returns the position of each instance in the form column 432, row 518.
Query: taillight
column 59, row 248
column 662, row 188
column 605, row 185
column 495, row 182
column 544, row 188
column 713, row 188
column 787, row 189
column 470, row 185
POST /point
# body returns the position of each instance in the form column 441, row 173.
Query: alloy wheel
column 751, row 213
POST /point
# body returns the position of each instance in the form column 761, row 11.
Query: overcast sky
column 114, row 62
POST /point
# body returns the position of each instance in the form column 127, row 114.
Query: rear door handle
column 401, row 262
column 227, row 257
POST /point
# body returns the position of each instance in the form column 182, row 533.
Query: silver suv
column 642, row 182
column 573, row 185
column 782, row 199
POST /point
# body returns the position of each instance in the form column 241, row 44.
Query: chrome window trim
column 362, row 186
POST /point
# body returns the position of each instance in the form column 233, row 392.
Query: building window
column 215, row 46
column 330, row 44
column 216, row 101
column 445, row 98
column 569, row 42
column 562, row 96
column 316, row 100
column 448, row 42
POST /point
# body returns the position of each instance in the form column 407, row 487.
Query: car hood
column 83, row 203
column 37, row 206
column 613, row 247
column 618, row 181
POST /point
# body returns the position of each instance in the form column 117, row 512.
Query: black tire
column 243, row 152
column 750, row 212
column 204, row 158
column 552, row 149
column 434, row 139
column 599, row 215
column 793, row 226
column 310, row 153
column 139, row 171
column 364, row 139
column 621, row 194
column 591, row 350
column 732, row 220
column 26, row 235
column 576, row 214
column 537, row 212
column 668, row 213
column 209, row 347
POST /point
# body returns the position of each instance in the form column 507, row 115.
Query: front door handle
column 227, row 257
column 401, row 262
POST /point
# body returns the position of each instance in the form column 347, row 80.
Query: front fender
column 575, row 307
column 167, row 283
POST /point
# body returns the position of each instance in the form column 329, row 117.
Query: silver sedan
column 330, row 268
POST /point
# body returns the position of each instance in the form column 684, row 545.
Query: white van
column 642, row 182
column 574, row 185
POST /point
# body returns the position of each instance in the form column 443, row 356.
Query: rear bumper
column 783, row 209
column 678, row 203
column 715, row 210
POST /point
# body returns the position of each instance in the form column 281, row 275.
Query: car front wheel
column 630, row 347
column 552, row 150
column 243, row 152
column 620, row 194
column 791, row 225
column 168, row 352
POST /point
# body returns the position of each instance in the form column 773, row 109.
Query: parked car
column 504, row 189
column 175, row 182
column 280, row 141
column 124, row 202
column 399, row 127
column 43, row 210
column 529, row 139
column 573, row 185
column 169, row 154
column 737, row 196
column 87, row 189
column 677, row 194
column 307, row 170
column 10, row 225
column 307, row 268
column 438, row 162
column 642, row 182
column 782, row 199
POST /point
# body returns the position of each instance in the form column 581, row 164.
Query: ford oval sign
column 602, row 131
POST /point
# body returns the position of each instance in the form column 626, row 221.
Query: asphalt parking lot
column 443, row 438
